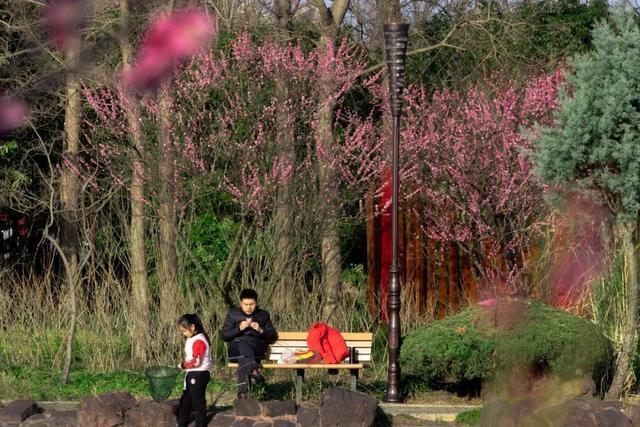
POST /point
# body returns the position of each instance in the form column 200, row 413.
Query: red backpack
column 328, row 342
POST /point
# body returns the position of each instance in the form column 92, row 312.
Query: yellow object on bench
column 291, row 341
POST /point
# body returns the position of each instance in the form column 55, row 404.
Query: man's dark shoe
column 257, row 376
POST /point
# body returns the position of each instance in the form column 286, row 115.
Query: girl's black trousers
column 194, row 399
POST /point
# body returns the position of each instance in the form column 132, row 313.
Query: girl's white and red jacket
column 196, row 354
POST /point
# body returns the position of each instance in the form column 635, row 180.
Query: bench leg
column 354, row 378
column 299, row 380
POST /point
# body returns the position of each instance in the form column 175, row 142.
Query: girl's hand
column 255, row 326
column 180, row 365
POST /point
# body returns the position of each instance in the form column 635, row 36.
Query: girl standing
column 197, row 364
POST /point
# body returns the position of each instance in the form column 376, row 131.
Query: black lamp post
column 396, row 36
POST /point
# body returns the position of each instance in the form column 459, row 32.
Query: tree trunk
column 628, row 237
column 454, row 279
column 432, row 290
column 137, row 249
column 330, row 21
column 69, row 193
column 330, row 236
column 469, row 282
column 169, row 292
column 284, row 16
column 240, row 242
column 285, row 147
column 409, row 265
column 443, row 284
column 373, row 254
column 386, row 11
column 421, row 282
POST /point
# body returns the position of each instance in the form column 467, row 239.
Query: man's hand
column 255, row 326
column 244, row 324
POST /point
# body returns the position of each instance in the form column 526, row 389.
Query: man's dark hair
column 248, row 294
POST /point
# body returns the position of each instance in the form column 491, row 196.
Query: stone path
column 442, row 414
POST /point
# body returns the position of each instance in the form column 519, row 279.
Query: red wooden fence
column 436, row 277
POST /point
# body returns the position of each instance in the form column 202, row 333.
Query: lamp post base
column 389, row 398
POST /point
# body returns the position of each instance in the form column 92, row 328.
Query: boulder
column 611, row 417
column 573, row 413
column 633, row 413
column 242, row 422
column 278, row 408
column 53, row 419
column 588, row 413
column 525, row 408
column 536, row 420
column 580, row 419
column 17, row 411
column 594, row 404
column 308, row 415
column 150, row 414
column 174, row 404
column 106, row 410
column 37, row 420
column 355, row 408
column 64, row 419
column 222, row 419
column 246, row 408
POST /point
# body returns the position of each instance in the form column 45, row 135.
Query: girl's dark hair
column 188, row 320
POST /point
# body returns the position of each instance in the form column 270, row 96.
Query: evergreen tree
column 595, row 146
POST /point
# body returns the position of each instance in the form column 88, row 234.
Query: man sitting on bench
column 249, row 331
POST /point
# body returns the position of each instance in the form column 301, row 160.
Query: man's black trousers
column 247, row 353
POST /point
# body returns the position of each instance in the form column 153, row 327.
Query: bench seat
column 360, row 342
column 306, row 366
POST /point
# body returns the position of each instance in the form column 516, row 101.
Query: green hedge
column 479, row 343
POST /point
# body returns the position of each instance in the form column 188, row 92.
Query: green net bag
column 162, row 379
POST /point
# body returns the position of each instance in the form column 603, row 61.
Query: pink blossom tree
column 247, row 112
column 467, row 161
column 225, row 126
column 255, row 132
column 134, row 138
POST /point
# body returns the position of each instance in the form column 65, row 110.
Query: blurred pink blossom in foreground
column 13, row 114
column 170, row 39
column 63, row 19
column 487, row 302
column 580, row 250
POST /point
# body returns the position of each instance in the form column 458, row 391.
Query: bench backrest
column 292, row 341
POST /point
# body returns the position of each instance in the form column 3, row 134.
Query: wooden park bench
column 359, row 341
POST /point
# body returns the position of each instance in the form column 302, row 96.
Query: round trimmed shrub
column 480, row 343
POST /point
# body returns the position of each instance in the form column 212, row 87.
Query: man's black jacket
column 231, row 327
